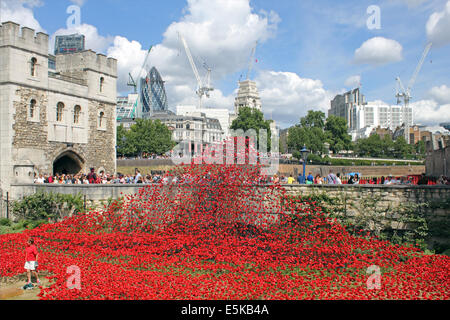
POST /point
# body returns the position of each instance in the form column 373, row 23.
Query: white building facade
column 373, row 115
column 223, row 115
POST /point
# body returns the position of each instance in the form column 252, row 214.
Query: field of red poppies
column 215, row 233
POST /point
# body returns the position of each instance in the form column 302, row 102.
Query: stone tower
column 57, row 120
column 248, row 96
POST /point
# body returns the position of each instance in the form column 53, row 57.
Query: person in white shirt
column 338, row 178
column 40, row 180
column 389, row 180
column 138, row 176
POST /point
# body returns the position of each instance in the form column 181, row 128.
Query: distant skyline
column 308, row 51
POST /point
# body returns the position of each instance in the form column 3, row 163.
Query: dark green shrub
column 5, row 222
column 44, row 206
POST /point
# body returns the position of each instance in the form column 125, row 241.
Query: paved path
column 11, row 288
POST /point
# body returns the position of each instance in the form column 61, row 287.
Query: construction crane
column 137, row 108
column 252, row 59
column 204, row 87
column 405, row 94
column 132, row 83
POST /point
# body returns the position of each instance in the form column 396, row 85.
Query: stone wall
column 402, row 208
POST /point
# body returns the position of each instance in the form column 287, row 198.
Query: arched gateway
column 68, row 162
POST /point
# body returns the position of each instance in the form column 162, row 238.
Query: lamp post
column 304, row 152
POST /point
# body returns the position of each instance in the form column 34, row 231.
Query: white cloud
column 220, row 32
column 20, row 12
column 287, row 97
column 130, row 55
column 440, row 94
column 353, row 81
column 378, row 51
column 438, row 27
column 436, row 129
column 430, row 112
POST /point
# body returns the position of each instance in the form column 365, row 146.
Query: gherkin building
column 153, row 94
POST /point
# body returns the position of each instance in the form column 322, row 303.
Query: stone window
column 76, row 114
column 33, row 111
column 32, row 108
column 33, row 64
column 59, row 112
column 101, row 121
column 102, row 82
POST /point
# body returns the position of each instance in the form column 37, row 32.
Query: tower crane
column 204, row 87
column 405, row 94
column 132, row 83
column 252, row 59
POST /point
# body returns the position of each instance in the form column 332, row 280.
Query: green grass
column 8, row 226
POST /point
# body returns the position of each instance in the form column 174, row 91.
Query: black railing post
column 7, row 205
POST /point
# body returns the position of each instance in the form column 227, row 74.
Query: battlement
column 86, row 60
column 11, row 34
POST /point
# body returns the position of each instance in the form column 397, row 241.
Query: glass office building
column 153, row 94
column 151, row 99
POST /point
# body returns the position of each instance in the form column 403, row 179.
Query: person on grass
column 31, row 263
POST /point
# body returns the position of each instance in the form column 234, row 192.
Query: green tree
column 420, row 148
column 402, row 149
column 370, row 147
column 336, row 132
column 309, row 132
column 314, row 119
column 146, row 136
column 124, row 146
column 387, row 146
column 250, row 118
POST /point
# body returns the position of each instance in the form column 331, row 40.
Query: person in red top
column 31, row 261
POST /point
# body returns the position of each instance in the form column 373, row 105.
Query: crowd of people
column 355, row 179
column 103, row 178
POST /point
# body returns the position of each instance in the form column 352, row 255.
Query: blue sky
column 306, row 52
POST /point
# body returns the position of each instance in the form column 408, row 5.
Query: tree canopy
column 251, row 118
column 336, row 134
column 374, row 146
column 309, row 132
column 146, row 136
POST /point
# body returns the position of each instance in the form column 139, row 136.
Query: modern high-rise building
column 151, row 99
column 380, row 115
column 69, row 44
column 343, row 106
column 153, row 94
column 127, row 106
column 363, row 117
